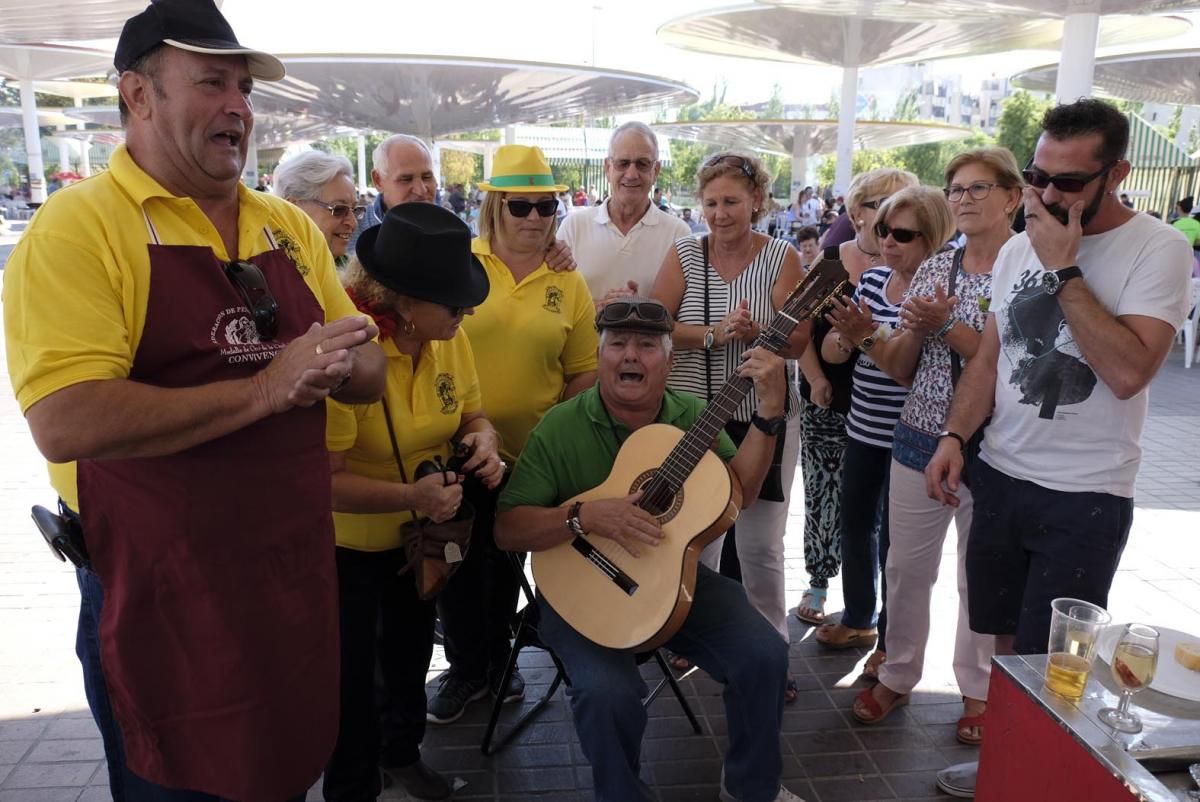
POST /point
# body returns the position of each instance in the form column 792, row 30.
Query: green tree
column 863, row 160
column 686, row 157
column 1020, row 124
column 1172, row 131
column 461, row 167
column 907, row 107
column 929, row 161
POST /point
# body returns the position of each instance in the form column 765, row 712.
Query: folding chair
column 525, row 633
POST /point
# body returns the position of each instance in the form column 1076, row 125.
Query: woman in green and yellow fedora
column 535, row 344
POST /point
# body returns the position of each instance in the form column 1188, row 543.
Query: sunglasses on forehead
column 901, row 235
column 252, row 286
column 517, row 207
column 617, row 312
column 1040, row 179
column 739, row 162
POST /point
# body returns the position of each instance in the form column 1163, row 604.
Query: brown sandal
column 839, row 636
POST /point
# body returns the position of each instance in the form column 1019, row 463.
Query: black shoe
column 513, row 692
column 421, row 782
column 453, row 697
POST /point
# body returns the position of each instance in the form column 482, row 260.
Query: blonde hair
column 491, row 209
column 880, row 181
column 1000, row 161
column 934, row 219
column 715, row 167
column 356, row 279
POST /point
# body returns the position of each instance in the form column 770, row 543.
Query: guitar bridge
column 606, row 566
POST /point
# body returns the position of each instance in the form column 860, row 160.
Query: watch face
column 867, row 344
column 1050, row 282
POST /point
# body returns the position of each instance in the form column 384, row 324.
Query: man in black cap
column 172, row 336
column 572, row 450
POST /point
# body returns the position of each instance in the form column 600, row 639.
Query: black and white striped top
column 753, row 284
column 876, row 399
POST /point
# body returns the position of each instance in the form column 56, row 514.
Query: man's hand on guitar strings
column 621, row 521
column 765, row 369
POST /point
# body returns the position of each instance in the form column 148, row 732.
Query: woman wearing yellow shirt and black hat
column 416, row 276
column 535, row 344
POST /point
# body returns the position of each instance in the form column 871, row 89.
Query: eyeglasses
column 252, row 286
column 978, row 191
column 617, row 312
column 739, row 162
column 340, row 210
column 873, row 204
column 521, row 208
column 642, row 165
column 901, row 235
column 1040, row 179
column 455, row 311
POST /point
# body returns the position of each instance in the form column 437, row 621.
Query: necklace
column 873, row 258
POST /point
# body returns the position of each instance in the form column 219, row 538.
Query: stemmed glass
column 1133, row 663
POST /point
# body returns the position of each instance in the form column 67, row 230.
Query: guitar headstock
column 813, row 293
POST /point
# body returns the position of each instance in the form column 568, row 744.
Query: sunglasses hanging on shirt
column 252, row 286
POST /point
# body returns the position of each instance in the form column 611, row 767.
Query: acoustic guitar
column 626, row 602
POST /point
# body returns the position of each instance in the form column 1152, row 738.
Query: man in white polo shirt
column 621, row 243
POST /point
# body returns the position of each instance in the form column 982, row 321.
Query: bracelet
column 949, row 324
column 573, row 524
column 947, row 433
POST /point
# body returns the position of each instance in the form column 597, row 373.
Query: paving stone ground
column 50, row 750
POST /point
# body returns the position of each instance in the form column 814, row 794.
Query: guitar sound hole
column 661, row 503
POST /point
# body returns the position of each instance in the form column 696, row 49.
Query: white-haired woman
column 322, row 185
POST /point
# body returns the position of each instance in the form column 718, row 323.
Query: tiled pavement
column 50, row 752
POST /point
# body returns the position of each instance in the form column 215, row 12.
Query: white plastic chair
column 1188, row 332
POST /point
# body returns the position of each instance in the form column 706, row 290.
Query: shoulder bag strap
column 955, row 359
column 387, row 418
column 707, row 322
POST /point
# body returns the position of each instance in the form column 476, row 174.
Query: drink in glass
column 1075, row 627
column 1133, row 664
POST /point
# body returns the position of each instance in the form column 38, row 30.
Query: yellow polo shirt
column 77, row 284
column 427, row 409
column 527, row 337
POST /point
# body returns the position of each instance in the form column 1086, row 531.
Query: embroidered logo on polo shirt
column 289, row 246
column 444, row 386
column 554, row 299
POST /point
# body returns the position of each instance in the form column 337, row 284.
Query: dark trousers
column 865, row 471
column 479, row 601
column 381, row 616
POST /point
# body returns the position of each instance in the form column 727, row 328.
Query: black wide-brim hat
column 424, row 251
column 195, row 25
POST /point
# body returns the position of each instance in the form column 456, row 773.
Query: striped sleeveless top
column 876, row 399
column 753, row 284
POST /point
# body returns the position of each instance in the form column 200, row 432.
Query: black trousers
column 381, row 617
column 480, row 600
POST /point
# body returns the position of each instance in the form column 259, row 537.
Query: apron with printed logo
column 219, row 637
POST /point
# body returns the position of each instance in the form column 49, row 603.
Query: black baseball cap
column 195, row 25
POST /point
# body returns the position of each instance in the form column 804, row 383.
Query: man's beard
column 1089, row 212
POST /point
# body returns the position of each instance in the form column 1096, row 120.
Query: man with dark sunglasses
column 1085, row 306
column 621, row 243
column 175, row 376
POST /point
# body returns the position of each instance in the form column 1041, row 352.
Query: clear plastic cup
column 1075, row 627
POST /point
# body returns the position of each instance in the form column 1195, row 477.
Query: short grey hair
column 667, row 342
column 302, row 176
column 637, row 127
column 379, row 157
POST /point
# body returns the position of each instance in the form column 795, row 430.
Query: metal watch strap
column 573, row 524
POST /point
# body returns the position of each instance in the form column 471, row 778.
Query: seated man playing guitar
column 572, row 450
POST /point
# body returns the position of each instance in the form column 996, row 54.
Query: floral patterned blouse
column 929, row 400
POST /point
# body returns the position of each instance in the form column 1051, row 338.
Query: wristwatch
column 962, row 443
column 573, row 523
column 769, row 426
column 710, row 337
column 867, row 343
column 1052, row 280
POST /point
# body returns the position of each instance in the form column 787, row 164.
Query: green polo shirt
column 573, row 448
column 1189, row 226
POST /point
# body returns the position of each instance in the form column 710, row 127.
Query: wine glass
column 1133, row 664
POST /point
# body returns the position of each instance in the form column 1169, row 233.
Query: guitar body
column 643, row 607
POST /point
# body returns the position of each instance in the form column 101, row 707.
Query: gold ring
column 319, row 351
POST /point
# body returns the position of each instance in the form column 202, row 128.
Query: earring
column 407, row 327
column 860, row 221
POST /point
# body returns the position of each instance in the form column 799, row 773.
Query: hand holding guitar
column 622, row 521
column 765, row 369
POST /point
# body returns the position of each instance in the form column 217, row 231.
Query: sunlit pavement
column 50, row 750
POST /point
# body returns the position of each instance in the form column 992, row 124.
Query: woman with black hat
column 416, row 276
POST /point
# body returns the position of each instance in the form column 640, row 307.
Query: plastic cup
column 1075, row 627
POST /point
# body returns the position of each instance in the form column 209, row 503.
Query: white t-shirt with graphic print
column 1055, row 422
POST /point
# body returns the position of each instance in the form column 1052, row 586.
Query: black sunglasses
column 1040, row 179
column 901, row 235
column 547, row 207
column 739, row 162
column 873, row 204
column 252, row 286
column 617, row 312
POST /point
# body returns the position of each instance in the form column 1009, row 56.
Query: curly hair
column 356, row 279
column 1090, row 116
column 750, row 170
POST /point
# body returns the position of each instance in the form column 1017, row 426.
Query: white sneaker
column 959, row 780
column 784, row 794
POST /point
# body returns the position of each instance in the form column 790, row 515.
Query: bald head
column 403, row 171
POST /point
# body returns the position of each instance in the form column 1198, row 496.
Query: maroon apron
column 218, row 636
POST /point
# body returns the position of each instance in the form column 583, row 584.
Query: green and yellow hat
column 521, row 168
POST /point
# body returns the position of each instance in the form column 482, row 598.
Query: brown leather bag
column 433, row 551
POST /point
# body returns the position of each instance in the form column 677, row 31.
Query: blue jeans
column 725, row 636
column 124, row 785
column 865, row 472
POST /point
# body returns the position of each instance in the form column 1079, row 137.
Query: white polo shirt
column 608, row 259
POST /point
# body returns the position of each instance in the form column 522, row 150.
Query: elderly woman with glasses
column 323, row 186
column 943, row 317
column 722, row 288
column 415, row 275
column 912, row 225
column 824, row 405
column 535, row 344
